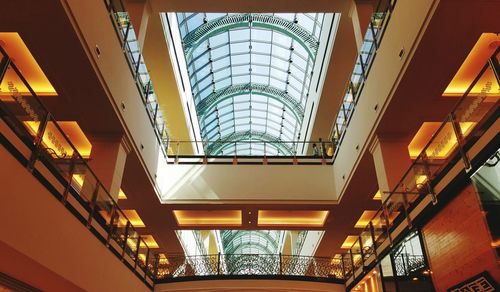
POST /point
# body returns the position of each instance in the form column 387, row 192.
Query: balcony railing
column 364, row 61
column 83, row 193
column 182, row 151
column 130, row 46
column 249, row 265
column 406, row 264
column 447, row 146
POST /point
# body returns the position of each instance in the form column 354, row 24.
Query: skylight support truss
column 272, row 22
column 232, row 141
column 215, row 98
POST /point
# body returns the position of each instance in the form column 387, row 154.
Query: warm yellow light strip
column 365, row 218
column 349, row 241
column 163, row 259
column 378, row 195
column 26, row 63
column 472, row 65
column 121, row 195
column 444, row 142
column 208, row 217
column 54, row 139
column 150, row 241
column 309, row 218
column 134, row 218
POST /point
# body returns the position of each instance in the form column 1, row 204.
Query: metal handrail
column 145, row 90
column 97, row 197
column 253, row 265
column 398, row 201
column 353, row 90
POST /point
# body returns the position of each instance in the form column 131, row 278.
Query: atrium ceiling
column 250, row 76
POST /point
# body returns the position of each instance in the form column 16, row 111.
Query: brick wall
column 458, row 243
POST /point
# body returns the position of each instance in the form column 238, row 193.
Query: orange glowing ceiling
column 131, row 215
column 20, row 55
column 349, row 241
column 292, row 218
column 121, row 195
column 134, row 218
column 208, row 217
column 54, row 139
column 477, row 58
column 150, row 241
column 365, row 218
column 442, row 145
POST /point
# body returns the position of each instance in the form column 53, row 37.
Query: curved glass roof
column 250, row 241
column 250, row 75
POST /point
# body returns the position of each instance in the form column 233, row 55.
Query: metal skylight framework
column 251, row 241
column 250, row 77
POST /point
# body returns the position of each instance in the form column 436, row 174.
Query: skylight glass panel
column 247, row 68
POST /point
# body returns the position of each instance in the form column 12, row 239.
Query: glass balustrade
column 83, row 193
column 364, row 60
column 128, row 39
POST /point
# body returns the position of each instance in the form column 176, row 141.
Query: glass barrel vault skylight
column 250, row 75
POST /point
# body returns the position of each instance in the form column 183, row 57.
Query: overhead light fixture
column 303, row 218
column 208, row 217
column 365, row 218
column 349, row 241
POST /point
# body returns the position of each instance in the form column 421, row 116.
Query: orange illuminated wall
column 477, row 58
column 19, row 53
column 458, row 242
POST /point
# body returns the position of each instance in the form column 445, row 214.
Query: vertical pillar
column 392, row 160
column 360, row 14
column 139, row 12
column 107, row 160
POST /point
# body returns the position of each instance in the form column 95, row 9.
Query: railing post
column 281, row 264
column 460, row 141
column 363, row 70
column 156, row 113
column 111, row 227
column 428, row 173
column 146, row 263
column 177, row 152
column 406, row 206
column 137, row 248
column 352, row 264
column 155, row 268
column 93, row 205
column 373, row 34
column 361, row 252
column 374, row 242
column 218, row 263
column 136, row 72
column 125, row 237
column 495, row 66
column 71, row 172
column 38, row 142
column 4, row 65
column 387, row 222
column 146, row 94
column 343, row 266
column 125, row 36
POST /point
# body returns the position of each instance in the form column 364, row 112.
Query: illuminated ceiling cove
column 250, row 76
